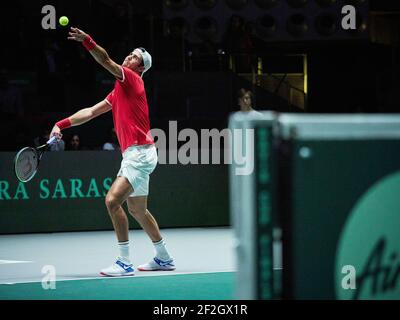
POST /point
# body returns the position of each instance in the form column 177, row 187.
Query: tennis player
column 129, row 107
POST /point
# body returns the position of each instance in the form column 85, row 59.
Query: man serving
column 131, row 121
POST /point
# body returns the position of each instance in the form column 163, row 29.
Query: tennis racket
column 26, row 162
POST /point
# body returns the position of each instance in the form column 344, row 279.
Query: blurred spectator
column 245, row 102
column 10, row 98
column 113, row 142
column 237, row 42
column 74, row 144
column 44, row 137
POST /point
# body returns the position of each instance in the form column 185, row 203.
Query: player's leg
column 137, row 207
column 116, row 196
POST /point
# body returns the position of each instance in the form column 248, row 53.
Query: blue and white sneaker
column 118, row 269
column 158, row 265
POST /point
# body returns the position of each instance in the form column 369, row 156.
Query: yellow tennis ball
column 64, row 21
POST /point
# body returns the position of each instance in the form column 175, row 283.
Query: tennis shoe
column 158, row 265
column 118, row 269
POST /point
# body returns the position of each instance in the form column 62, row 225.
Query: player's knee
column 111, row 202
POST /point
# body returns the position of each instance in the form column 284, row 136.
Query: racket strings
column 26, row 164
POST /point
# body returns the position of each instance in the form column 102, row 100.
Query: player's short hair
column 242, row 92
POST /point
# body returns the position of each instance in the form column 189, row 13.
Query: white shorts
column 138, row 162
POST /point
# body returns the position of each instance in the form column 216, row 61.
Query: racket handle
column 52, row 140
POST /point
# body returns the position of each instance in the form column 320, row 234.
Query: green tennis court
column 204, row 286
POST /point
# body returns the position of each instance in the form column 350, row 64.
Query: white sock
column 124, row 251
column 161, row 250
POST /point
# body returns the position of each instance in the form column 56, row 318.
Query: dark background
column 195, row 77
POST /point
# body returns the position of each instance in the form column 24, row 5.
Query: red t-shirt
column 130, row 110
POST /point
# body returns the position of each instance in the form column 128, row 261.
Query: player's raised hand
column 77, row 35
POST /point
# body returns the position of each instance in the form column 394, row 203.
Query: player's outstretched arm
column 80, row 117
column 98, row 53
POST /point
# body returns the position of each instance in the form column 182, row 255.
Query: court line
column 141, row 275
column 14, row 261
